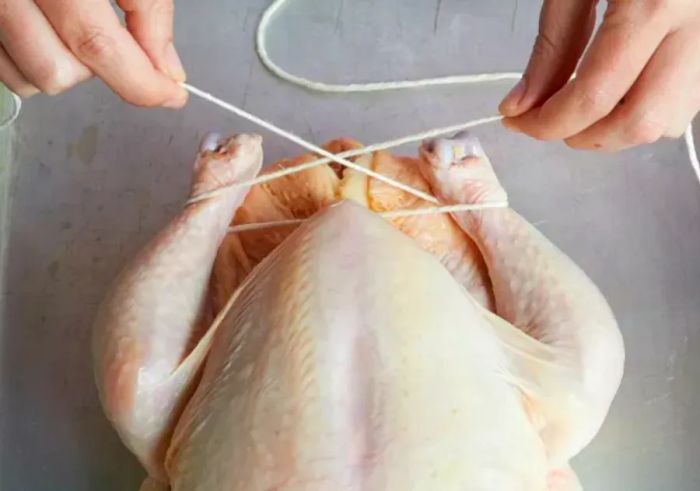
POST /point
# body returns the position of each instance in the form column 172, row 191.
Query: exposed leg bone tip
column 470, row 143
column 210, row 142
column 454, row 149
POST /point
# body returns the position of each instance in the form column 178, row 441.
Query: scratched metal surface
column 92, row 179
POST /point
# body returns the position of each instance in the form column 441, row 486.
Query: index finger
column 626, row 40
column 92, row 31
column 151, row 24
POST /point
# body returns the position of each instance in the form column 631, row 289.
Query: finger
column 626, row 40
column 13, row 78
column 36, row 49
column 685, row 115
column 689, row 106
column 151, row 24
column 651, row 104
column 91, row 29
column 565, row 28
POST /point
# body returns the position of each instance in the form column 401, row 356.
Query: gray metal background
column 93, row 178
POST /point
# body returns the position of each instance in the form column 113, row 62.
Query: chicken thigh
column 459, row 352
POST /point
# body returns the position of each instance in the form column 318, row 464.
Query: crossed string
column 343, row 157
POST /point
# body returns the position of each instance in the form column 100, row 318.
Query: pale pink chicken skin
column 350, row 358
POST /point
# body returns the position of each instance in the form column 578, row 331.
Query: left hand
column 52, row 45
column 638, row 81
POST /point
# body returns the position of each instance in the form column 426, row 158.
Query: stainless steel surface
column 10, row 107
column 92, row 179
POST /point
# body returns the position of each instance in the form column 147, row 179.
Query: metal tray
column 92, row 179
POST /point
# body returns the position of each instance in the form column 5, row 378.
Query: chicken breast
column 352, row 352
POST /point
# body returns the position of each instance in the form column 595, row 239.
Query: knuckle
column 545, row 47
column 94, row 44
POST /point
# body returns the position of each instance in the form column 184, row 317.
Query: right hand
column 51, row 45
column 636, row 82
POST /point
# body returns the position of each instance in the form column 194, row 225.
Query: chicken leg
column 570, row 363
column 151, row 334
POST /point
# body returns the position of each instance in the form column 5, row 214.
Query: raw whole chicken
column 351, row 352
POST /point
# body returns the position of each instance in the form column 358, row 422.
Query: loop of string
column 342, row 158
column 692, row 151
column 16, row 109
column 261, row 46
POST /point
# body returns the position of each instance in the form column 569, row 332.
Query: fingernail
column 176, row 102
column 510, row 103
column 174, row 64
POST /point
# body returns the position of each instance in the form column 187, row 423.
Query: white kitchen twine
column 342, row 158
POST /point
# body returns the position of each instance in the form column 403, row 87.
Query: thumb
column 564, row 31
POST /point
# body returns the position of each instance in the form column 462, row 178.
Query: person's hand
column 638, row 81
column 51, row 45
